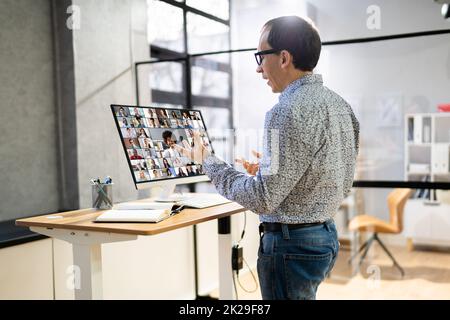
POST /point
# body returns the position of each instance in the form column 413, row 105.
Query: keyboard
column 204, row 201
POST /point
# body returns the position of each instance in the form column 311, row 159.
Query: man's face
column 270, row 66
column 170, row 142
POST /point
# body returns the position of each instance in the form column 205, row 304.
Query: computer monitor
column 147, row 134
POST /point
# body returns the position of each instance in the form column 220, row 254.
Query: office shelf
column 427, row 153
column 427, row 142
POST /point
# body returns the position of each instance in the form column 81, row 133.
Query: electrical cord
column 243, row 229
column 245, row 261
column 254, row 279
column 234, row 285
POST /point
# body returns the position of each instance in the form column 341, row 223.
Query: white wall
column 26, row 271
column 385, row 80
column 104, row 54
column 346, row 19
column 157, row 267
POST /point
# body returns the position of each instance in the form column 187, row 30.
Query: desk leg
column 87, row 257
column 226, row 291
column 87, row 260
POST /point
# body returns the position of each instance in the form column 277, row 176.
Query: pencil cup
column 102, row 197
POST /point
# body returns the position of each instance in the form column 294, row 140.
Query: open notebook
column 139, row 212
column 146, row 211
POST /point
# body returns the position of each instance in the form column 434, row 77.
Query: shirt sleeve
column 288, row 152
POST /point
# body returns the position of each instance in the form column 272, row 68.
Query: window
column 218, row 8
column 186, row 33
column 163, row 31
column 206, row 35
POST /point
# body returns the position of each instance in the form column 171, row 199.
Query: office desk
column 77, row 227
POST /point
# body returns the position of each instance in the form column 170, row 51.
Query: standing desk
column 77, row 227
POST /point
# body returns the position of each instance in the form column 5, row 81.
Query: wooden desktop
column 78, row 228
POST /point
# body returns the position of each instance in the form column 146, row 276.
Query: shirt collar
column 294, row 85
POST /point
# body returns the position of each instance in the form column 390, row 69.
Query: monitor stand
column 166, row 194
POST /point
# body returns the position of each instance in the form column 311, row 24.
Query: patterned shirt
column 310, row 144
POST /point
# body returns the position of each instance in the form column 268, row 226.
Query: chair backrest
column 396, row 203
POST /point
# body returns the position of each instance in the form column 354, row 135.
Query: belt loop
column 327, row 225
column 285, row 229
column 261, row 231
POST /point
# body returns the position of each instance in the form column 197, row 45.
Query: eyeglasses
column 259, row 56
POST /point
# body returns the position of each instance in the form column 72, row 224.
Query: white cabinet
column 427, row 224
column 427, row 153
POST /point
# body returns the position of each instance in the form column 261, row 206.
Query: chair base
column 366, row 246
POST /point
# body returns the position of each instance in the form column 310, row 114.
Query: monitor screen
column 148, row 135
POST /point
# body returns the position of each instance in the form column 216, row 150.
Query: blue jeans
column 292, row 263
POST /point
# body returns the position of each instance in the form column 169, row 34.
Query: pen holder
column 102, row 197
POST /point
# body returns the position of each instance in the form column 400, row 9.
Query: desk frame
column 86, row 242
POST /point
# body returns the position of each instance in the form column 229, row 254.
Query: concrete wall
column 28, row 165
column 103, row 76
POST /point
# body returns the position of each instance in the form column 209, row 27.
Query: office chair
column 396, row 201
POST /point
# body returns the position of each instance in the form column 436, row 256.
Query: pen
column 102, row 196
column 177, row 210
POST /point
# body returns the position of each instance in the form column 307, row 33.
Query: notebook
column 138, row 212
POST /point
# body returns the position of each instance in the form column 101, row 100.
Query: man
column 140, row 123
column 135, row 155
column 151, row 122
column 133, row 144
column 306, row 169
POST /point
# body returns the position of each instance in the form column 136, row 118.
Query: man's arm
column 286, row 158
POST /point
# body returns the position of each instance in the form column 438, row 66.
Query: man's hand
column 198, row 153
column 250, row 167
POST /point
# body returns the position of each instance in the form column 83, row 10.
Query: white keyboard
column 204, row 201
